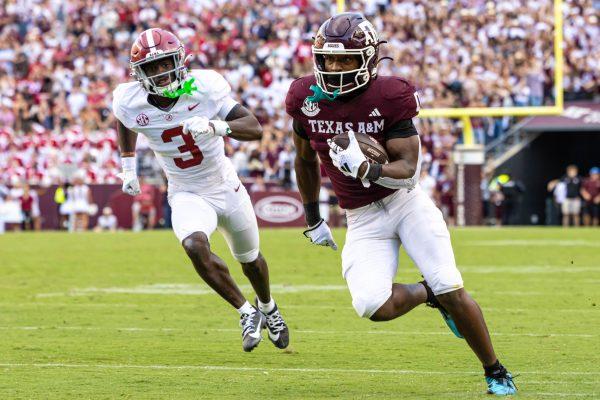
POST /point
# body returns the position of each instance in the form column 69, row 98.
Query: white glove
column 131, row 184
column 348, row 161
column 197, row 126
column 320, row 234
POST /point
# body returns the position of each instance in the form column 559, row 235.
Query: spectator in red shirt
column 26, row 209
column 590, row 191
column 143, row 207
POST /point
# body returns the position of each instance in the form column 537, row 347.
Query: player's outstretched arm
column 308, row 176
column 127, row 140
column 243, row 124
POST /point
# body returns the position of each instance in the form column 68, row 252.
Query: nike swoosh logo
column 190, row 108
column 274, row 336
column 255, row 335
column 238, row 188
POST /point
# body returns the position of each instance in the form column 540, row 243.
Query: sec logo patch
column 142, row 119
column 309, row 108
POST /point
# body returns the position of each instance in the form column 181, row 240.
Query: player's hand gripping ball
column 370, row 147
column 348, row 153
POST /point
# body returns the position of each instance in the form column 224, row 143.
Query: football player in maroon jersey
column 384, row 204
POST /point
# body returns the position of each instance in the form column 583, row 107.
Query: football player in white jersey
column 185, row 115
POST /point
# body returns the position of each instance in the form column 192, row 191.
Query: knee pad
column 247, row 257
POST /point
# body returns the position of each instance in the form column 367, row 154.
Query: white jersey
column 193, row 165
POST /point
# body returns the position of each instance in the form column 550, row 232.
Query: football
column 370, row 147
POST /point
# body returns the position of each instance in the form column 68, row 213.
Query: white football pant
column 375, row 233
column 228, row 208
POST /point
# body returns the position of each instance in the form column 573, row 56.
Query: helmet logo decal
column 370, row 34
column 150, row 38
column 309, row 108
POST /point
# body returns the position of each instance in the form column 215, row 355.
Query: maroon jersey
column 592, row 187
column 384, row 103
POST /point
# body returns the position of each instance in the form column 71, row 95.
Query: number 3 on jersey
column 189, row 145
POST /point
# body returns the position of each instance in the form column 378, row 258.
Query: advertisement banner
column 278, row 209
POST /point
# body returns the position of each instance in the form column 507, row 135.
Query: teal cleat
column 433, row 302
column 501, row 385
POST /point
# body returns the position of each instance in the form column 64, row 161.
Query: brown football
column 369, row 146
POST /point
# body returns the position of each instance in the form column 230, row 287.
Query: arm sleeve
column 226, row 107
column 402, row 129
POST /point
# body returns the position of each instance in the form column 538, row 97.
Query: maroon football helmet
column 155, row 44
column 349, row 34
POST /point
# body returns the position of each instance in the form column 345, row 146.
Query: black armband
column 311, row 213
column 374, row 172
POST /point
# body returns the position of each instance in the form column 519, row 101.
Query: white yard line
column 284, row 306
column 533, row 242
column 546, row 394
column 188, row 289
column 308, row 331
column 569, row 269
column 267, row 369
column 198, row 289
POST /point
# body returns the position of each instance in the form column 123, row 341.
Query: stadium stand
column 60, row 60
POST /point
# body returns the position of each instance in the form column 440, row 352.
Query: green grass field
column 125, row 316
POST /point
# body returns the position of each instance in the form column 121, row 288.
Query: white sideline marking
column 310, row 331
column 533, row 242
column 316, row 370
column 190, row 289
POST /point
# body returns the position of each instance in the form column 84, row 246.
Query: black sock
column 495, row 370
column 430, row 297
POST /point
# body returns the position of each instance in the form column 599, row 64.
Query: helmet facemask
column 176, row 75
column 343, row 82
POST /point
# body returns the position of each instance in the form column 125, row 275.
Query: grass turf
column 125, row 316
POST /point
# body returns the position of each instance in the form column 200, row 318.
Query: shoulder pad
column 210, row 83
column 297, row 93
column 395, row 88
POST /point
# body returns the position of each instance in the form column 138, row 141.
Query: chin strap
column 187, row 88
column 319, row 95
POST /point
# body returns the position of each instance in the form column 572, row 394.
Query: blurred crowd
column 60, row 60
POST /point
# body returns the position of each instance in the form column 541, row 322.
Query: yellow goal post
column 465, row 114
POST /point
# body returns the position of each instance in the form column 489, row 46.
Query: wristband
column 373, row 172
column 221, row 128
column 311, row 213
column 128, row 163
